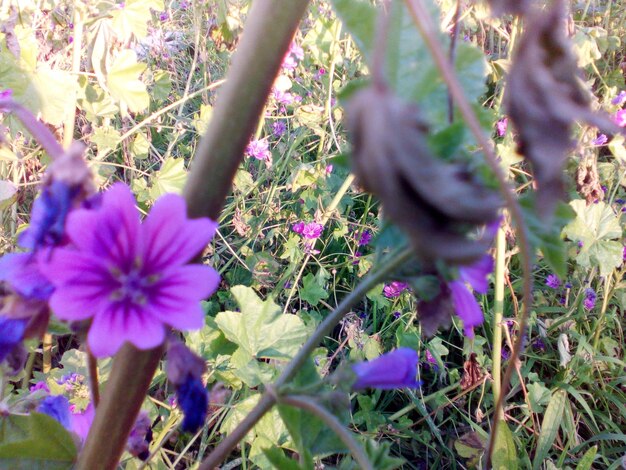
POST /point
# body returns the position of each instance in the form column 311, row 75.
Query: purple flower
column 279, row 128
column 397, row 315
column 394, row 289
column 464, row 302
column 21, row 272
column 283, row 97
column 80, row 422
column 11, row 335
column 57, row 407
column 298, row 227
column 552, row 281
column 296, row 51
column 620, row 99
column 39, row 386
column 620, row 118
column 289, row 63
column 259, row 149
column 395, row 369
column 539, row 344
column 329, row 169
column 365, row 238
column 624, row 254
column 312, row 230
column 131, row 278
column 568, row 285
column 163, row 16
column 590, row 299
column 501, row 126
column 600, row 140
column 193, row 398
column 138, row 444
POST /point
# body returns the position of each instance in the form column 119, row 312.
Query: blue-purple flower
column 365, row 238
column 11, row 335
column 279, row 128
column 395, row 369
column 620, row 99
column 589, row 301
column 600, row 140
column 501, row 126
column 553, row 281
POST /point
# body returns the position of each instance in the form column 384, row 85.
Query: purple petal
column 466, row 307
column 476, row 274
column 123, row 322
column 64, row 265
column 170, row 238
column 174, row 300
column 21, row 272
column 395, row 369
column 80, row 423
column 112, row 231
column 82, row 298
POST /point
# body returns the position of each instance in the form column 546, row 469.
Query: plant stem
column 68, row 125
column 267, row 400
column 498, row 313
column 427, row 29
column 268, row 32
column 307, row 403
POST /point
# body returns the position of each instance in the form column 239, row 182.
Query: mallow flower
column 131, row 278
column 395, row 369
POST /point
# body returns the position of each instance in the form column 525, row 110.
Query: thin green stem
column 498, row 313
column 268, row 400
column 427, row 29
column 307, row 403
column 600, row 320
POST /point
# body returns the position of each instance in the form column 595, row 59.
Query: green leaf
column 260, row 329
column 278, row 458
column 170, row 178
column 411, row 71
column 132, row 16
column 140, row 147
column 504, row 453
column 587, row 460
column 35, row 441
column 124, row 84
column 106, row 139
column 311, row 291
column 596, row 226
column 8, row 194
column 550, row 426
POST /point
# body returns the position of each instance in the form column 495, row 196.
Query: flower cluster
column 394, row 289
column 589, row 301
column 294, row 54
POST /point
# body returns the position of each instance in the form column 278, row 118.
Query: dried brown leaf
column 544, row 97
column 588, row 181
column 472, row 373
column 435, row 202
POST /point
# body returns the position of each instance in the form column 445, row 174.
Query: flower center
column 132, row 285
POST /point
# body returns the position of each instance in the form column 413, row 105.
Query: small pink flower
column 259, row 149
column 312, row 230
column 620, row 118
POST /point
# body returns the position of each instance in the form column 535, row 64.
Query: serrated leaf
column 550, row 426
column 124, row 84
column 105, row 138
column 260, row 328
column 311, row 291
column 596, row 226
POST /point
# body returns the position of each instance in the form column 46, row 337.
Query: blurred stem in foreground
column 268, row 32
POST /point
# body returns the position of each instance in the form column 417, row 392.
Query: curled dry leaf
column 472, row 374
column 436, row 203
column 588, row 182
column 544, row 97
